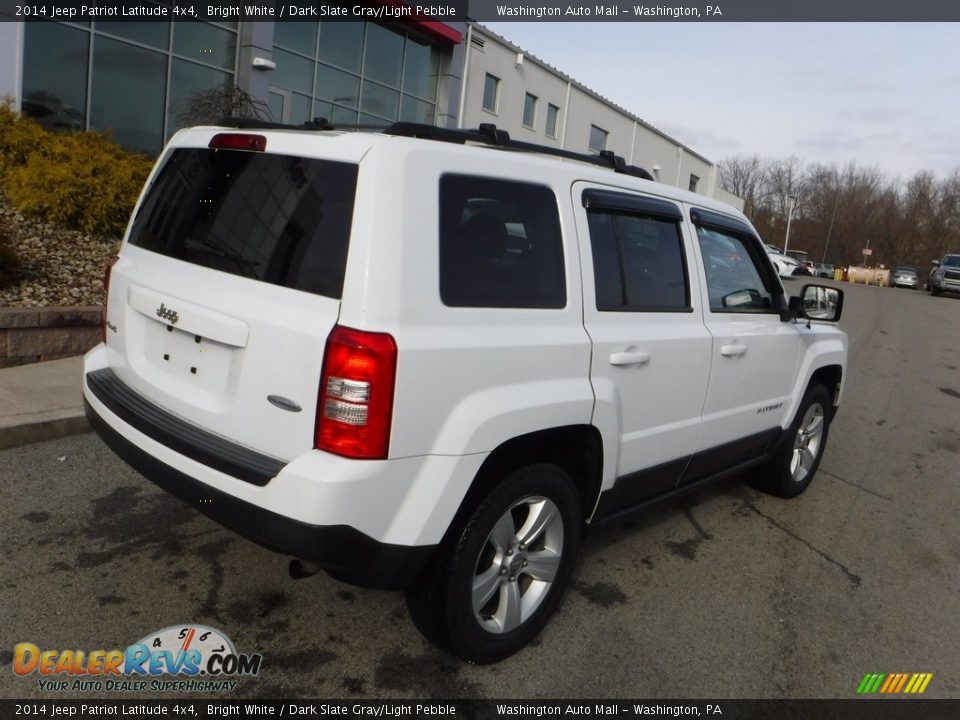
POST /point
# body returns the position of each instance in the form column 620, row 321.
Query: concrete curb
column 37, row 428
column 41, row 401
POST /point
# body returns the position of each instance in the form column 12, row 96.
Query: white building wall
column 729, row 198
column 667, row 159
column 586, row 110
column 516, row 79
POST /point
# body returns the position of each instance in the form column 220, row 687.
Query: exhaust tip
column 300, row 569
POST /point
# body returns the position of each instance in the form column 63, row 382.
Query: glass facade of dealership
column 140, row 80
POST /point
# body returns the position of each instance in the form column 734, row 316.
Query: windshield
column 279, row 219
column 951, row 261
column 906, row 270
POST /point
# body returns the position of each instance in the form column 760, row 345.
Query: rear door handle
column 733, row 350
column 630, row 357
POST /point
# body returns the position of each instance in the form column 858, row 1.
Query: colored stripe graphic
column 903, row 679
column 918, row 683
column 870, row 683
column 894, row 683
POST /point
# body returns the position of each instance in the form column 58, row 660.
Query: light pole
column 830, row 229
column 791, row 200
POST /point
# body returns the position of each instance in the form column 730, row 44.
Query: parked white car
column 429, row 365
column 786, row 266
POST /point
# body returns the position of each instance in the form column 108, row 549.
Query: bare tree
column 744, row 177
column 209, row 106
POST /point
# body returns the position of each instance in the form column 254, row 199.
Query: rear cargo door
column 228, row 287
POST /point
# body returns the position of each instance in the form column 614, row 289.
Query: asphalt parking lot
column 725, row 593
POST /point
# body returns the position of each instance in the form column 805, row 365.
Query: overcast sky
column 884, row 95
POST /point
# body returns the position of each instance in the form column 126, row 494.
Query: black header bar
column 404, row 709
column 458, row 11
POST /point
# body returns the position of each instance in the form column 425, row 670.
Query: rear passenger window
column 500, row 244
column 638, row 262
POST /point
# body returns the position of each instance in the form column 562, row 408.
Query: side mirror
column 792, row 311
column 819, row 302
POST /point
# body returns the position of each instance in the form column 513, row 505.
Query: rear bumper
column 346, row 552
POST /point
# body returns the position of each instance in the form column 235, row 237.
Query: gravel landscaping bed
column 57, row 266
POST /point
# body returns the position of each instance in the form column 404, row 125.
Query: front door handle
column 630, row 357
column 733, row 350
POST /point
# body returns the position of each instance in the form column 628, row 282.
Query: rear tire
column 789, row 472
column 499, row 577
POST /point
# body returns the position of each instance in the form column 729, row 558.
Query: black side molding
column 637, row 491
column 164, row 427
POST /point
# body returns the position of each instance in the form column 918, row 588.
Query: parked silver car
column 905, row 276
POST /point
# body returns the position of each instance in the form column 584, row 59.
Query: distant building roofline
column 584, row 89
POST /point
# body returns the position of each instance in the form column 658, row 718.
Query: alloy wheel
column 806, row 446
column 518, row 564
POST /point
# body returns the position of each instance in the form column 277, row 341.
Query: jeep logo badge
column 165, row 313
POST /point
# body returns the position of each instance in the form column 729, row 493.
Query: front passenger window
column 734, row 283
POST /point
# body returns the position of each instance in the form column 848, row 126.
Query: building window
column 598, row 139
column 694, row 179
column 298, row 36
column 141, row 81
column 55, row 59
column 529, row 111
column 351, row 72
column 205, row 43
column 553, row 112
column 491, row 92
column 139, row 77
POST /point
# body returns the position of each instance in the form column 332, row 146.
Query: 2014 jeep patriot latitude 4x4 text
column 429, row 365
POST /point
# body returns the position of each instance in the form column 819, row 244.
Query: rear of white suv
column 211, row 382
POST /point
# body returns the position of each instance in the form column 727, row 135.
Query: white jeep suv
column 427, row 360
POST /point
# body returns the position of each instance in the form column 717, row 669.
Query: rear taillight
column 356, row 394
column 238, row 141
column 106, row 297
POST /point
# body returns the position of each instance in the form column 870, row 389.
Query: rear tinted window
column 276, row 218
column 500, row 244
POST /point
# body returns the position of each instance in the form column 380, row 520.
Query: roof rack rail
column 489, row 134
column 242, row 123
column 319, row 124
column 486, row 133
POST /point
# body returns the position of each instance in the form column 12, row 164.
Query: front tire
column 499, row 578
column 789, row 472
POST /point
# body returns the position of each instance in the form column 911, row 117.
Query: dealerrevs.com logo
column 198, row 657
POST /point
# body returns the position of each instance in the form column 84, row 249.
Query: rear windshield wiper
column 222, row 250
